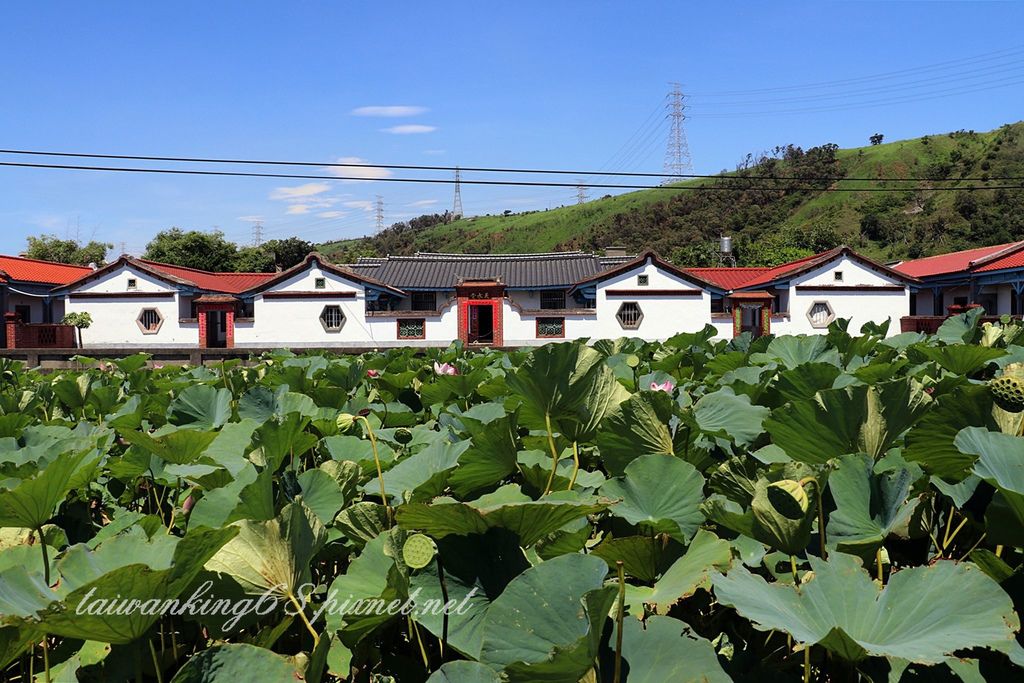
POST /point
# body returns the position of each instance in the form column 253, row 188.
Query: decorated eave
column 587, row 288
column 781, row 275
column 127, row 261
column 374, row 287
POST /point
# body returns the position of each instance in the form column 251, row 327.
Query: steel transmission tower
column 677, row 153
column 581, row 193
column 380, row 213
column 457, row 204
column 257, row 233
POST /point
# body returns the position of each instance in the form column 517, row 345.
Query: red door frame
column 203, row 308
column 481, row 293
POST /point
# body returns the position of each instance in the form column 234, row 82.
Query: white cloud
column 332, row 214
column 250, row 219
column 364, row 204
column 424, row 202
column 409, row 129
column 288, row 194
column 360, row 172
column 391, row 111
column 298, row 208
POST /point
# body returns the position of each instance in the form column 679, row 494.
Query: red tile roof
column 230, row 283
column 727, row 278
column 34, row 270
column 770, row 274
column 955, row 262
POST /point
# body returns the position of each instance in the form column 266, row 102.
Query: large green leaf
column 795, row 351
column 272, row 556
column 817, row 430
column 176, row 445
column 464, row 672
column 690, row 572
column 1000, row 462
column 201, row 407
column 724, row 412
column 639, row 426
column 230, row 663
column 530, row 520
column 660, row 492
column 961, row 359
column 869, row 506
column 424, row 474
column 32, row 501
column 546, row 625
column 924, row 614
column 930, row 442
column 663, row 649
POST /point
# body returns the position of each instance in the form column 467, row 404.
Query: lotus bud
column 188, row 504
column 373, row 374
column 345, row 421
column 445, row 369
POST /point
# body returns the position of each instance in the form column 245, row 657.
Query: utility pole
column 380, row 213
column 457, row 204
column 677, row 152
column 257, row 233
column 581, row 193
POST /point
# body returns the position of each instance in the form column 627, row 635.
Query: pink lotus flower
column 373, row 373
column 667, row 386
column 445, row 369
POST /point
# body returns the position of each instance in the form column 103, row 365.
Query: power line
column 525, row 171
column 526, row 183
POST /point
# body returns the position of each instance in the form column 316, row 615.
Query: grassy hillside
column 792, row 218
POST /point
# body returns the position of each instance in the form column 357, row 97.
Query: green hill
column 771, row 220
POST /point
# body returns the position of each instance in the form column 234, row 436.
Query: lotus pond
column 828, row 508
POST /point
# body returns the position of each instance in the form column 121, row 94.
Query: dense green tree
column 254, row 260
column 52, row 248
column 287, row 252
column 193, row 249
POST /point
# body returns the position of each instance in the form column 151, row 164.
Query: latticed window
column 552, row 299
column 629, row 315
column 424, row 301
column 332, row 318
column 149, row 320
column 820, row 314
column 320, row 283
column 550, row 327
column 412, row 328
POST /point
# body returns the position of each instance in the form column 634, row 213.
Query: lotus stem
column 878, row 559
column 419, row 641
column 156, row 662
column 796, row 576
column 302, row 615
column 46, row 659
column 554, row 455
column 946, row 542
column 807, row 663
column 971, row 549
column 444, row 596
column 376, row 461
column 999, row 551
column 46, row 558
column 575, row 465
column 949, row 525
column 619, row 618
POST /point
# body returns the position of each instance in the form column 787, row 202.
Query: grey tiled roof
column 444, row 271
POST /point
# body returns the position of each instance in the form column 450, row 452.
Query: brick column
column 11, row 321
column 229, row 333
column 202, row 328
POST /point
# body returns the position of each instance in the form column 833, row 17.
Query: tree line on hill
column 190, row 248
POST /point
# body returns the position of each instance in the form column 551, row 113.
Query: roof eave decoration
column 123, row 261
column 806, row 265
column 649, row 256
column 315, row 258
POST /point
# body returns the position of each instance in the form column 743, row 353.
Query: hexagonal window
column 149, row 321
column 629, row 315
column 820, row 314
column 332, row 318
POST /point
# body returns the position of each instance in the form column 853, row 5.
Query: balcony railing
column 39, row 335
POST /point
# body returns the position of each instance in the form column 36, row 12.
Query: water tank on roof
column 725, row 244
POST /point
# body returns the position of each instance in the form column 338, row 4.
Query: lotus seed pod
column 632, row 360
column 403, row 435
column 789, row 498
column 345, row 421
column 1008, row 393
column 418, row 551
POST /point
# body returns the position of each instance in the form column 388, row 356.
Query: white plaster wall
column 114, row 320
column 860, row 307
column 664, row 317
column 1004, row 294
column 35, row 305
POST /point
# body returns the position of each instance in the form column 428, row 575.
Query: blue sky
column 539, row 84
